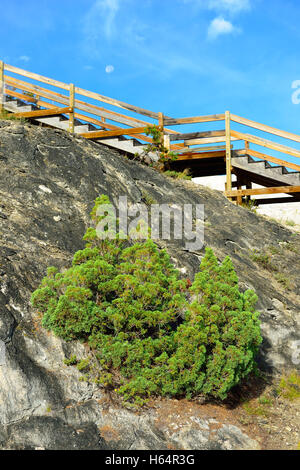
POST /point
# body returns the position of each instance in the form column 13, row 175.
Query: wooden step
column 265, row 170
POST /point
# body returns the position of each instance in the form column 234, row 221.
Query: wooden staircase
column 62, row 121
column 204, row 153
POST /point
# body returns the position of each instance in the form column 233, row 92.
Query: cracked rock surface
column 48, row 182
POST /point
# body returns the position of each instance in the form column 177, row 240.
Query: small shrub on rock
column 151, row 333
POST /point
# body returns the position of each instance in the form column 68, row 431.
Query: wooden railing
column 54, row 97
column 249, row 138
column 47, row 98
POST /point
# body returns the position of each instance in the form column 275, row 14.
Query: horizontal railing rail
column 258, row 191
column 45, row 112
column 265, row 128
column 196, row 135
column 35, row 76
column 116, row 133
column 266, row 143
column 194, row 120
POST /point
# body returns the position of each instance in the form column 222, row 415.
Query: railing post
column 161, row 126
column 228, row 153
column 1, row 85
column 167, row 143
column 247, row 145
column 72, row 105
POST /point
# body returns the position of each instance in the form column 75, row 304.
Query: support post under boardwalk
column 248, row 186
column 228, row 153
column 239, row 199
column 72, row 105
column 1, row 84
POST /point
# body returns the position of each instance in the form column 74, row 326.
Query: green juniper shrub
column 72, row 361
column 165, row 155
column 151, row 333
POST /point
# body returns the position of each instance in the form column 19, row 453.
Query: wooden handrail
column 194, row 120
column 104, row 135
column 45, row 112
column 47, row 105
column 15, row 94
column 196, row 135
column 80, row 91
column 32, row 88
column 209, row 140
column 254, row 192
column 185, row 150
column 266, row 143
column 35, row 76
column 265, row 128
column 114, row 102
column 62, row 99
column 83, row 106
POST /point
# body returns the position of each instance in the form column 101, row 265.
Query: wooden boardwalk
column 205, row 153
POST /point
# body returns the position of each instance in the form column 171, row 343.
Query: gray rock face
column 48, row 182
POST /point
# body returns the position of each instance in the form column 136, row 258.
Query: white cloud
column 220, row 26
column 228, row 6
column 100, row 19
column 24, row 58
column 109, row 68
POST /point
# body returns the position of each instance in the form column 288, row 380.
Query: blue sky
column 181, row 57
